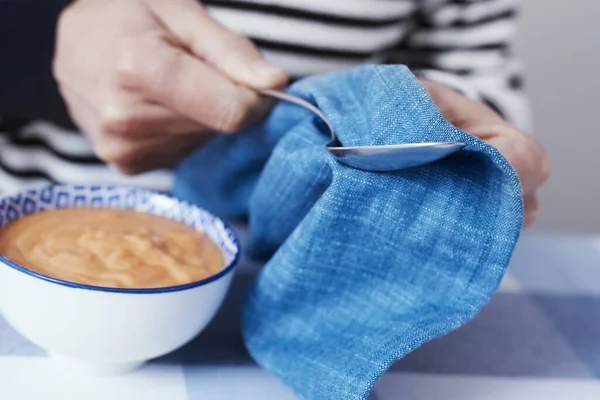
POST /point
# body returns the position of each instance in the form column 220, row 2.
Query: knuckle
column 123, row 159
column 104, row 154
column 115, row 121
column 128, row 69
column 141, row 65
column 128, row 169
column 126, row 75
column 105, row 151
column 161, row 73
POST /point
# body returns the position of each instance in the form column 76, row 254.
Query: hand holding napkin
column 362, row 267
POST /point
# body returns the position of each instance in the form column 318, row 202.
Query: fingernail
column 265, row 69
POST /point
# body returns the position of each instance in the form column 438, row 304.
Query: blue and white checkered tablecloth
column 539, row 338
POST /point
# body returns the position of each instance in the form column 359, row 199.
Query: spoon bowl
column 394, row 157
column 383, row 158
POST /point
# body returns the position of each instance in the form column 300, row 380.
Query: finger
column 232, row 54
column 131, row 155
column 522, row 151
column 143, row 154
column 126, row 116
column 107, row 148
column 461, row 111
column 531, row 209
column 143, row 119
column 135, row 158
column 188, row 86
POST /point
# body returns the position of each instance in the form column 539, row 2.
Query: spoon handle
column 302, row 103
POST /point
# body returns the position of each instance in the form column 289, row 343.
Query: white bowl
column 100, row 330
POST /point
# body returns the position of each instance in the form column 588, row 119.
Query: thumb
column 461, row 111
column 231, row 54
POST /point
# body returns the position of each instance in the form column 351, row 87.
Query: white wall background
column 560, row 45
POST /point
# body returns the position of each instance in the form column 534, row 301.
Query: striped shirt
column 464, row 44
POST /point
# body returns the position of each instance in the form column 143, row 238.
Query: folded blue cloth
column 362, row 267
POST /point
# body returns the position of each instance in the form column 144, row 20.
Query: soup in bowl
column 105, row 278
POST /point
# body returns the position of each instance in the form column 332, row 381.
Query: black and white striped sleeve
column 467, row 45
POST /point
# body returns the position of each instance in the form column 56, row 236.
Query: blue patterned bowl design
column 60, row 196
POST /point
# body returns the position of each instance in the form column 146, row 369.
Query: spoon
column 383, row 158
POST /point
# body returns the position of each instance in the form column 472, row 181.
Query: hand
column 149, row 80
column 522, row 151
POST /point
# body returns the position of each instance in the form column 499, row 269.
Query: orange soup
column 110, row 248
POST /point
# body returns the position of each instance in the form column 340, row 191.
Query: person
column 149, row 81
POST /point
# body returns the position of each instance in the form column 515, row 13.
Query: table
column 538, row 338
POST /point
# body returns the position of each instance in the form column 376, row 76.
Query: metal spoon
column 384, row 158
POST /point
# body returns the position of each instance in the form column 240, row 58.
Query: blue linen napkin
column 362, row 267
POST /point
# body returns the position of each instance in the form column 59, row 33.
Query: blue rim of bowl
column 168, row 289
